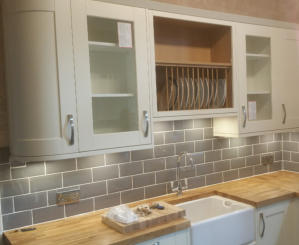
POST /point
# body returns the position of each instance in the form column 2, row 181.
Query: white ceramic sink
column 220, row 221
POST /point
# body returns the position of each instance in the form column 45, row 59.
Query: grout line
column 62, row 180
column 31, row 216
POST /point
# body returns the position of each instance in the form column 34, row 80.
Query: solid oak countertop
column 88, row 229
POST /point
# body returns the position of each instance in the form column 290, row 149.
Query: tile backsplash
column 290, row 150
column 28, row 190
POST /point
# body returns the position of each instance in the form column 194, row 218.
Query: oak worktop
column 88, row 229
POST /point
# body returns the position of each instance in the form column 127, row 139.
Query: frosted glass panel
column 259, row 85
column 112, row 115
column 113, row 75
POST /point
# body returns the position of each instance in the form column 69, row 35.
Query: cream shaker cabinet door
column 288, row 97
column 177, row 238
column 40, row 78
column 257, row 53
column 270, row 221
column 111, row 66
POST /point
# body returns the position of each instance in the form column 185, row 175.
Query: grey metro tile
column 143, row 180
column 205, row 145
column 14, row 187
column 83, row 206
column 214, row 178
column 132, row 195
column 93, row 190
column 154, row 165
column 211, row 156
column 77, row 177
column 184, row 147
column 103, row 173
column 155, row 190
column 6, row 205
column 174, row 137
column 47, row 182
column 90, row 162
column 194, row 134
column 183, row 124
column 163, row 126
column 17, row 220
column 47, row 214
column 203, row 123
column 165, row 175
column 29, row 170
column 131, row 168
column 30, row 201
column 107, row 201
column 60, row 166
column 142, row 155
column 119, row 157
column 4, row 172
column 119, row 184
column 164, row 150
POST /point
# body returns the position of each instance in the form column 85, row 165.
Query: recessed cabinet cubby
column 193, row 65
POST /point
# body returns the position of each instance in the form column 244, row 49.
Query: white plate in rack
column 201, row 92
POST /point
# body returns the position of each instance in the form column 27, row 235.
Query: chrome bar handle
column 264, row 225
column 245, row 116
column 284, row 113
column 146, row 123
column 71, row 126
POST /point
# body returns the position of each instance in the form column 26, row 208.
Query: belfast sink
column 216, row 220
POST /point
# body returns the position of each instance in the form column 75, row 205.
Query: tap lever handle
column 186, row 183
column 172, row 184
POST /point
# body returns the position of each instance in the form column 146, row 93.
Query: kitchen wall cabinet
column 81, row 83
column 267, row 99
column 270, row 221
column 40, row 78
column 192, row 66
column 77, row 75
column 177, row 238
column 288, row 87
column 111, row 68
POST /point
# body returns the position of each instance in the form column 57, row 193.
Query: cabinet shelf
column 120, row 95
column 259, row 93
column 201, row 65
column 106, row 47
column 252, row 56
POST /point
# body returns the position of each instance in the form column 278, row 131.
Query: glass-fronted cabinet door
column 257, row 78
column 110, row 49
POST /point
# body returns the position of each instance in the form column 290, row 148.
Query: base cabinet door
column 270, row 221
column 177, row 238
column 289, row 233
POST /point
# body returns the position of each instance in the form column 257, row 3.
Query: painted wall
column 283, row 10
column 3, row 105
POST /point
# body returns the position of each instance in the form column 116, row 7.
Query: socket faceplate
column 68, row 197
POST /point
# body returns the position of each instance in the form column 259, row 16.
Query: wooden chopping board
column 157, row 216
